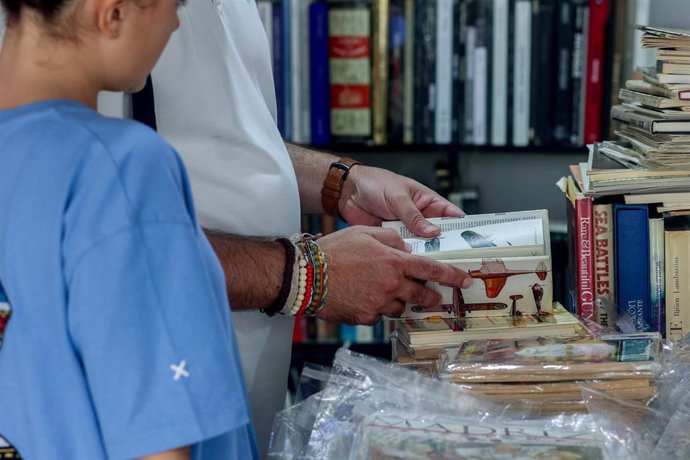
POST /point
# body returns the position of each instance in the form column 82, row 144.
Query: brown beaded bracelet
column 284, row 292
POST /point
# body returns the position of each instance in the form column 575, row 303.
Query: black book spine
column 429, row 120
column 458, row 87
column 420, row 71
column 470, row 45
column 578, row 70
column 511, row 58
column 544, row 58
column 565, row 18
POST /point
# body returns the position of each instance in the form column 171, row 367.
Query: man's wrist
column 333, row 184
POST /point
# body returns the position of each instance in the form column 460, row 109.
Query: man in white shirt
column 215, row 103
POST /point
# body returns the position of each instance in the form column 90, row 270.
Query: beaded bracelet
column 309, row 286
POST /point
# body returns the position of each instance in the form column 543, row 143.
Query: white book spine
column 480, row 95
column 642, row 57
column 265, row 8
column 298, row 69
column 305, row 84
column 522, row 70
column 364, row 334
column 499, row 84
column 469, row 84
column 444, row 71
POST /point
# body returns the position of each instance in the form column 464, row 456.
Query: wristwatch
column 333, row 184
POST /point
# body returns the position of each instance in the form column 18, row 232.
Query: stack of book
column 426, row 338
column 629, row 204
column 547, row 374
column 509, row 259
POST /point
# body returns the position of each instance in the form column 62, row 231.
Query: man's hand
column 371, row 195
column 371, row 273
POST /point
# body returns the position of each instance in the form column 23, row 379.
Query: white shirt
column 215, row 103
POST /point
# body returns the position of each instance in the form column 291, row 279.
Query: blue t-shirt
column 119, row 341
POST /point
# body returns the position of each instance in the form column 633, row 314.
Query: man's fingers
column 393, row 309
column 389, row 237
column 413, row 219
column 431, row 270
column 417, row 294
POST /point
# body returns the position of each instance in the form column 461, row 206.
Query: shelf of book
column 364, row 148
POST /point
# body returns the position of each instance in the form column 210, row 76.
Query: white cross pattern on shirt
column 180, row 370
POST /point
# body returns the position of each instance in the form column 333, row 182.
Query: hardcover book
column 507, row 255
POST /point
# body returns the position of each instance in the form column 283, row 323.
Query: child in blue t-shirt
column 114, row 322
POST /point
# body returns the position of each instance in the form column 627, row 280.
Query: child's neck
column 34, row 68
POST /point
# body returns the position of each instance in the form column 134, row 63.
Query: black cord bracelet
column 284, row 292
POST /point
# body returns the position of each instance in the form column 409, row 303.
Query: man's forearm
column 311, row 168
column 253, row 269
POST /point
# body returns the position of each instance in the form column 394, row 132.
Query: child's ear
column 110, row 16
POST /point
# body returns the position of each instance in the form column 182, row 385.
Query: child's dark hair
column 47, row 8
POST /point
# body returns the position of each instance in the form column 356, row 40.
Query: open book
column 507, row 254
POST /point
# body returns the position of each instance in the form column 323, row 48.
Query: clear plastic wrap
column 403, row 356
column 359, row 386
column 658, row 429
column 412, row 435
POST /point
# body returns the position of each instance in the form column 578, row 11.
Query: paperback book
column 404, row 436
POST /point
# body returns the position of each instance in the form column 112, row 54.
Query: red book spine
column 598, row 18
column 585, row 262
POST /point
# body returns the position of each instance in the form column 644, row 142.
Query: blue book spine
column 348, row 333
column 319, row 74
column 287, row 70
column 631, row 233
column 277, row 46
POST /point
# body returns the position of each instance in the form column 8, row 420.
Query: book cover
column 392, row 435
column 557, row 355
column 604, row 265
column 677, row 271
column 319, row 74
column 349, row 28
column 631, row 230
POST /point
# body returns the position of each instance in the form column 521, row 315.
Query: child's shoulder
column 125, row 141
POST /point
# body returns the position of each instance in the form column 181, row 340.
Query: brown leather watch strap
column 333, row 184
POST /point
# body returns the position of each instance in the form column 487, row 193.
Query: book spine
column 350, row 70
column 646, row 99
column 429, row 77
column 617, row 37
column 444, row 71
column 521, row 68
column 631, row 227
column 564, row 88
column 598, row 19
column 319, row 77
column 656, row 275
column 470, row 62
column 482, row 74
column 305, row 80
column 677, row 271
column 457, row 89
column 396, row 73
column 461, row 100
column 379, row 86
column 543, row 59
column 604, row 267
column 626, row 116
column 297, row 73
column 499, row 75
column 579, row 59
column 278, row 72
column 286, row 44
column 585, row 260
column 409, row 74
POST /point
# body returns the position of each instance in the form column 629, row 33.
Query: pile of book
column 629, row 204
column 547, row 374
column 508, row 256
